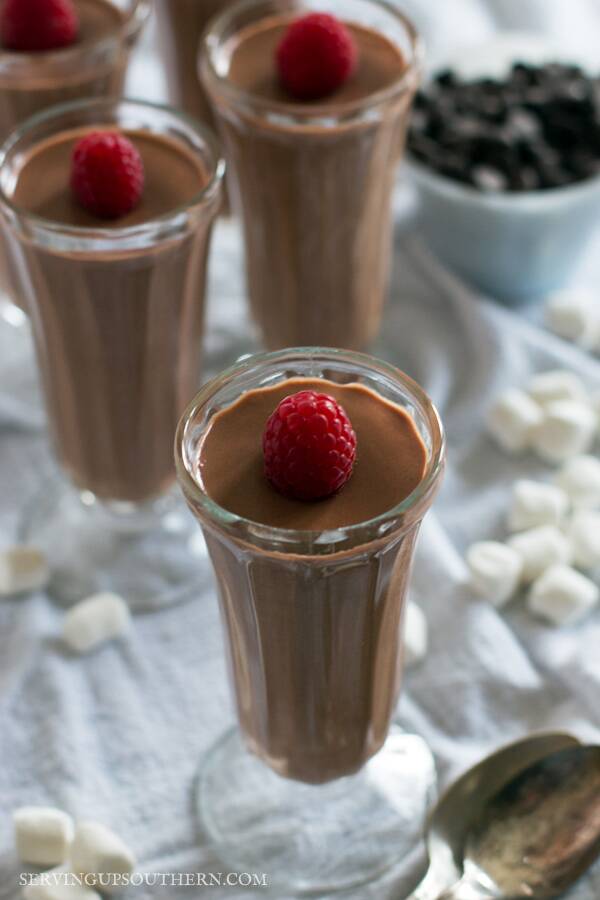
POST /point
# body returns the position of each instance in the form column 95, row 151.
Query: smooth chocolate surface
column 173, row 177
column 390, row 463
column 252, row 66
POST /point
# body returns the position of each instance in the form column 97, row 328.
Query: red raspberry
column 315, row 56
column 309, row 446
column 107, row 174
column 34, row 25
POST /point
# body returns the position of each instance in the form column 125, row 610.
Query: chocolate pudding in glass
column 93, row 66
column 312, row 595
column 180, row 26
column 313, row 181
column 117, row 315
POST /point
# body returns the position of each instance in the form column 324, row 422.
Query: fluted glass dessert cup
column 313, row 182
column 33, row 82
column 117, row 317
column 313, row 788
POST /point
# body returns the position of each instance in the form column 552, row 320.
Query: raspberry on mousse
column 315, row 56
column 107, row 174
column 31, row 26
column 309, row 446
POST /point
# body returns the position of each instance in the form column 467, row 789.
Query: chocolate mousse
column 312, row 180
column 390, row 462
column 116, row 304
column 180, row 25
column 93, row 65
column 173, row 176
column 45, row 79
column 315, row 636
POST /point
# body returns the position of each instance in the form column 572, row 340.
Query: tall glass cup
column 117, row 317
column 313, row 789
column 32, row 82
column 313, row 183
column 180, row 27
column 181, row 23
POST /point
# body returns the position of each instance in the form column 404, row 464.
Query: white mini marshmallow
column 43, row 835
column 97, row 850
column 558, row 384
column 573, row 315
column 584, row 533
column 562, row 596
column 22, row 568
column 415, row 634
column 512, row 420
column 540, row 548
column 496, row 570
column 568, row 429
column 59, row 884
column 535, row 503
column 580, row 480
column 95, row 620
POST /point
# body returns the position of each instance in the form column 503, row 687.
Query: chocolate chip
column 418, row 120
column 553, row 176
column 525, row 178
column 424, row 149
column 487, row 178
column 522, row 125
column 446, row 78
column 539, row 127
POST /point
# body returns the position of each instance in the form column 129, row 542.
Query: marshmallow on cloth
column 562, row 596
column 43, row 835
column 580, row 480
column 572, row 314
column 557, row 384
column 97, row 850
column 568, row 429
column 415, row 634
column 540, row 548
column 496, row 570
column 65, row 888
column 95, row 620
column 584, row 534
column 536, row 503
column 512, row 420
column 22, row 568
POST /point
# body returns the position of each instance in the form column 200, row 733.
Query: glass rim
column 134, row 21
column 226, row 520
column 92, row 235
column 314, row 112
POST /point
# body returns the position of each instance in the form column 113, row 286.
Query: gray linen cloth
column 117, row 735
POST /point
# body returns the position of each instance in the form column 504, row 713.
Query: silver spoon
column 538, row 834
column 464, row 801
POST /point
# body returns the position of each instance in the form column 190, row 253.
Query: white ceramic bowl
column 513, row 246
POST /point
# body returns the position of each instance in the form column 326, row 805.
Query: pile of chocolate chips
column 537, row 128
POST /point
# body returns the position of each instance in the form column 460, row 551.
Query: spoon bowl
column 463, row 803
column 541, row 831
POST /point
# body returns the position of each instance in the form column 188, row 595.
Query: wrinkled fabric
column 117, row 735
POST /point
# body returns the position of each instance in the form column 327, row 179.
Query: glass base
column 150, row 554
column 313, row 839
